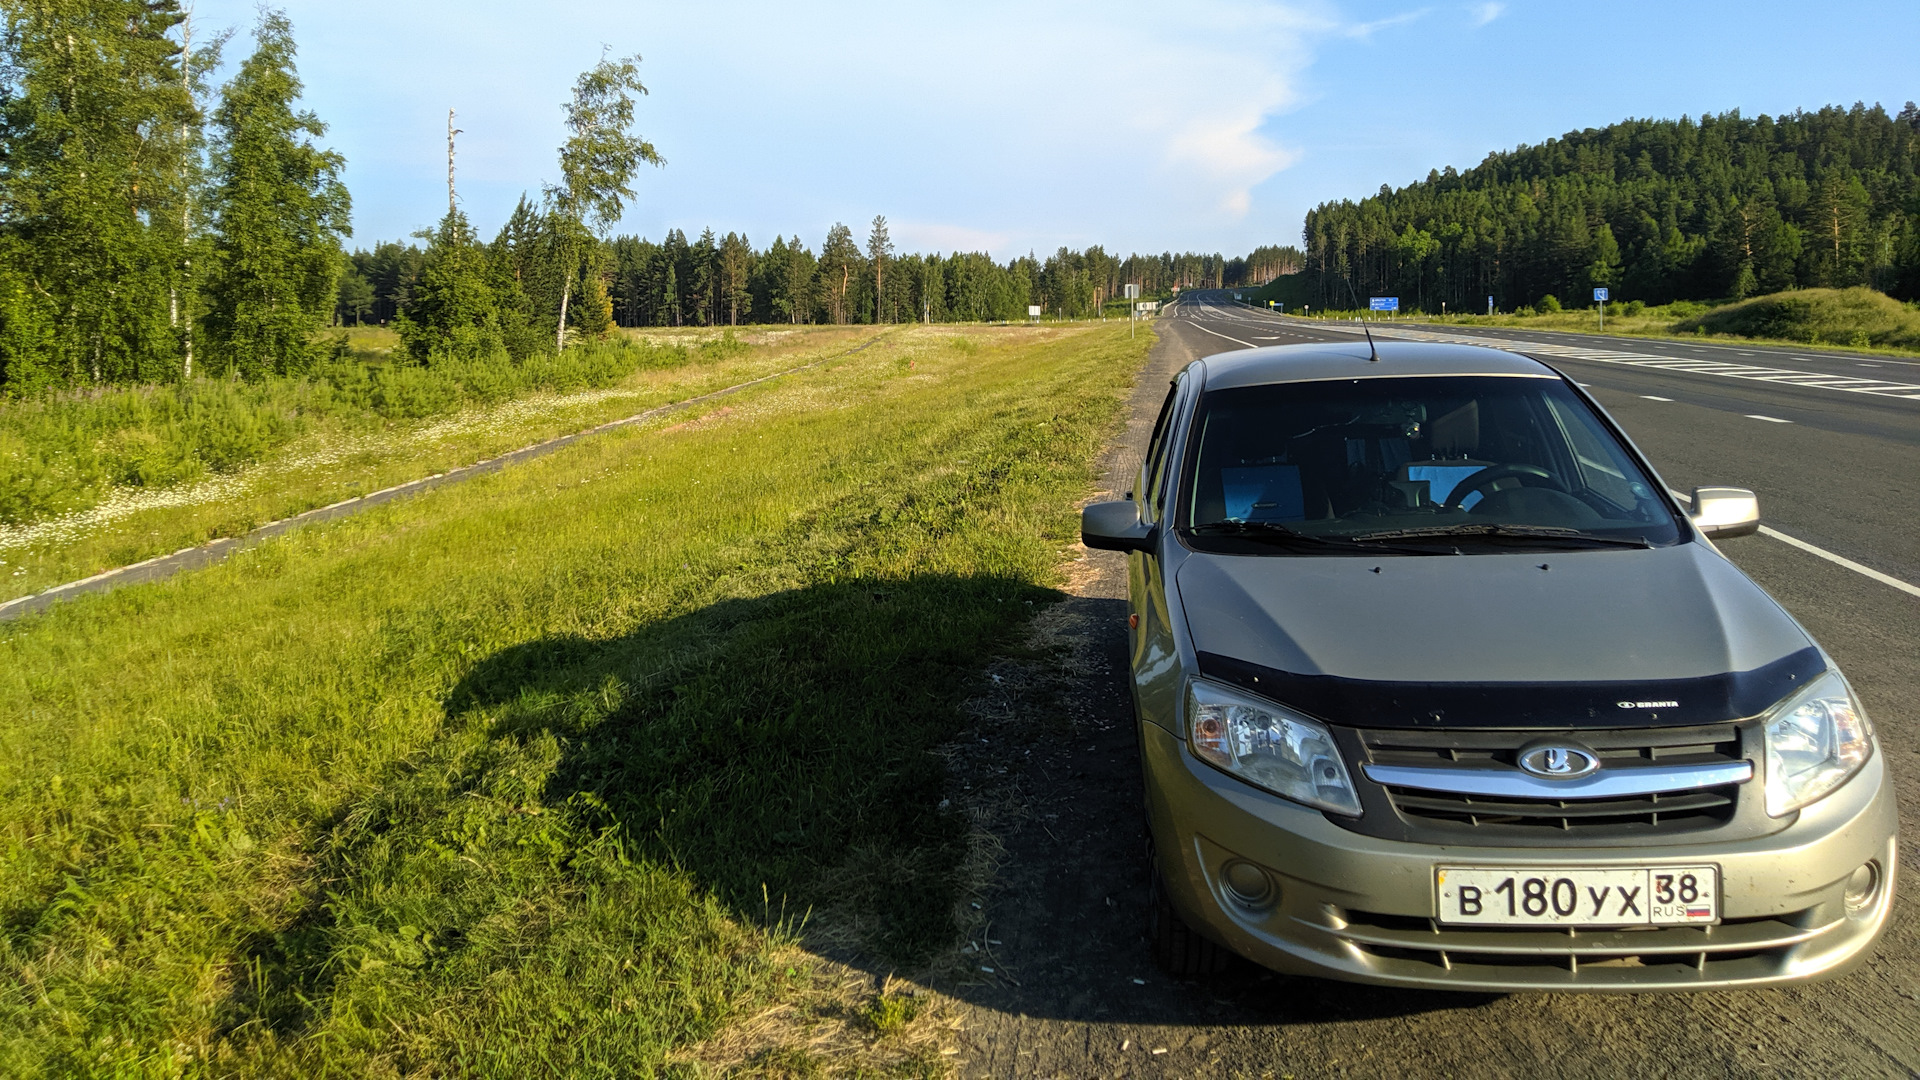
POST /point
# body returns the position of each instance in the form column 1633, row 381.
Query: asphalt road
column 1073, row 992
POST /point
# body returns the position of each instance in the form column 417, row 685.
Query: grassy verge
column 512, row 778
column 138, row 473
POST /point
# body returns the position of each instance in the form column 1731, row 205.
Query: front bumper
column 1360, row 909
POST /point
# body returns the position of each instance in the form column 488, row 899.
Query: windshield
column 1410, row 464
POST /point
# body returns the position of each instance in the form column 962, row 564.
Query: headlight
column 1268, row 747
column 1816, row 740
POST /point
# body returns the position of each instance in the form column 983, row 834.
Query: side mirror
column 1721, row 513
column 1116, row 526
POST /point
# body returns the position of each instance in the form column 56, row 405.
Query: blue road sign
column 1384, row 303
column 1600, row 295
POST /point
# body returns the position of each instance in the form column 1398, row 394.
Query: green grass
column 61, row 452
column 1857, row 318
column 521, row 777
column 104, row 480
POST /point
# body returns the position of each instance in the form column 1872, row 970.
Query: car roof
column 1350, row 360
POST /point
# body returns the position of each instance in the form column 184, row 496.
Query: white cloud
column 1486, row 13
column 1368, row 29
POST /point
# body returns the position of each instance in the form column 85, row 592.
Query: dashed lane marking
column 1768, row 419
column 1655, row 397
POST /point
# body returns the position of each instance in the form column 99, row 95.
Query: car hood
column 1636, row 625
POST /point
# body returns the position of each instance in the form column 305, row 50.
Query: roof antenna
column 1373, row 353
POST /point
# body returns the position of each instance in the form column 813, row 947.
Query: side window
column 1600, row 470
column 1156, row 472
column 1156, row 441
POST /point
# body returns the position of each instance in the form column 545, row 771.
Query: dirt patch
column 843, row 1023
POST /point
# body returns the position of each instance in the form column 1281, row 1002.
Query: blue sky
column 1012, row 126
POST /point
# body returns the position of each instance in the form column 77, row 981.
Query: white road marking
column 1216, row 333
column 1841, row 560
column 1651, row 397
column 1814, row 549
column 1768, row 419
column 1787, row 376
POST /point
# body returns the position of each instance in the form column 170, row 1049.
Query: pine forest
column 1725, row 207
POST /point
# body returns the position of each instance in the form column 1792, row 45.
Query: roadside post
column 1133, row 293
column 1600, row 298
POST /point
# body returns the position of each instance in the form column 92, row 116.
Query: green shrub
column 1633, row 307
column 1683, row 309
column 1550, row 304
column 406, row 392
column 1859, row 317
column 724, row 347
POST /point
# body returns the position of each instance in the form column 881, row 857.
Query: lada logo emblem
column 1558, row 760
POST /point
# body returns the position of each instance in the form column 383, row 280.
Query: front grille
column 1735, row 948
column 1441, row 815
column 1683, row 810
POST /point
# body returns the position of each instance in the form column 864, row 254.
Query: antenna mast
column 451, row 132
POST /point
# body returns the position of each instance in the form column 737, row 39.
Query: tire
column 1178, row 950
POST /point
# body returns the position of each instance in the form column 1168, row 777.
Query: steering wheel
column 1493, row 474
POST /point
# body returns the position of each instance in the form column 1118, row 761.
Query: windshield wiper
column 1549, row 533
column 1279, row 535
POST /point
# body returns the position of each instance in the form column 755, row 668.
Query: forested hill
column 1657, row 210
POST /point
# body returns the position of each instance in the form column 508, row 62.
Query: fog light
column 1863, row 888
column 1247, row 884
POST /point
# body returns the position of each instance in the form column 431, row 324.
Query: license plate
column 1529, row 896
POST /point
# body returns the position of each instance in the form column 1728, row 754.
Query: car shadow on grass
column 782, row 751
column 828, row 759
column 828, row 750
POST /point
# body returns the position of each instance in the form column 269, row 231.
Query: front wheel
column 1176, row 947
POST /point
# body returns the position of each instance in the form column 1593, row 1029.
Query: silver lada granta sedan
column 1439, row 686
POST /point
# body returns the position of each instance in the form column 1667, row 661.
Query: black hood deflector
column 1711, row 699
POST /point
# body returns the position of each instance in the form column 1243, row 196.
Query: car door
column 1153, row 651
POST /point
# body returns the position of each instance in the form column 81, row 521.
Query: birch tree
column 597, row 165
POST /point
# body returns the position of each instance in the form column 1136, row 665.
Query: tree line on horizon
column 1725, row 207
column 727, row 281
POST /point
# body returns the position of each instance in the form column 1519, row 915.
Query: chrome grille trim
column 1610, row 782
column 1738, row 935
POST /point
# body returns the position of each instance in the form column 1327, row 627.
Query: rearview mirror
column 1721, row 513
column 1116, row 526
